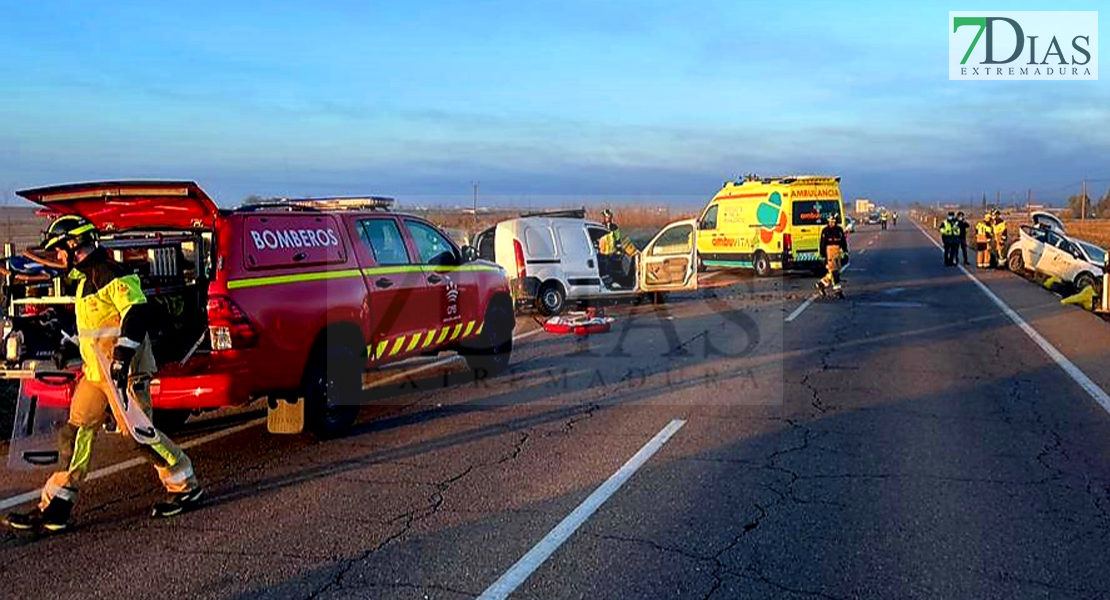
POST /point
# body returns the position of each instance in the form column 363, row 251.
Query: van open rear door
column 669, row 262
column 119, row 205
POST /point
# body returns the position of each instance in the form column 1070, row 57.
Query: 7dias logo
column 1048, row 45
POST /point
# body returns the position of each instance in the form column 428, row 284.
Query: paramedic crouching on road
column 833, row 244
column 112, row 317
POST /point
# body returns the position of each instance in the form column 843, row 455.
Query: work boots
column 178, row 503
column 54, row 519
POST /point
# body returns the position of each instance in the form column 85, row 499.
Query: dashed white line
column 1089, row 386
column 539, row 553
column 797, row 311
column 14, row 501
column 800, row 309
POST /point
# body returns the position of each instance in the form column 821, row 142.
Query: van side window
column 384, row 239
column 538, row 242
column 709, row 221
column 486, row 244
column 432, row 245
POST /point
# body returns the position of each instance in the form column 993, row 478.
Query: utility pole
column 1028, row 197
column 475, row 184
column 1083, row 201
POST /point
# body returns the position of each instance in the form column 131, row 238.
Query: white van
column 552, row 258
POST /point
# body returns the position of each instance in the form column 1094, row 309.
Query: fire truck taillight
column 228, row 326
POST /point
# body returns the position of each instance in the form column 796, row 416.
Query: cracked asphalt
column 909, row 441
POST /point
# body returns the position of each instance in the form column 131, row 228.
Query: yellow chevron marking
column 397, row 345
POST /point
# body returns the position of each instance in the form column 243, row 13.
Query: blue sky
column 576, row 98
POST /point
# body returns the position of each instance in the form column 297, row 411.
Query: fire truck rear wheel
column 491, row 352
column 333, row 384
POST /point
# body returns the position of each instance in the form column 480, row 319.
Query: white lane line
column 805, row 305
column 1062, row 361
column 539, row 553
column 798, row 311
column 862, row 252
column 14, row 501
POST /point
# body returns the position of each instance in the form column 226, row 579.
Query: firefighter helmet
column 69, row 227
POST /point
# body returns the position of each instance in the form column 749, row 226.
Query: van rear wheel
column 762, row 264
column 551, row 300
column 333, row 384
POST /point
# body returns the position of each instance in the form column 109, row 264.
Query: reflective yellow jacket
column 101, row 314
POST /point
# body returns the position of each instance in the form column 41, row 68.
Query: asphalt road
column 910, row 441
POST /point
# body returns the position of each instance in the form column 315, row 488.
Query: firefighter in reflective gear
column 949, row 234
column 834, row 244
column 616, row 252
column 998, row 227
column 984, row 236
column 112, row 318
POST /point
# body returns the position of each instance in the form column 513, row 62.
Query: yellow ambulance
column 768, row 224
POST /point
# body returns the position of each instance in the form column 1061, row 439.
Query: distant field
column 1093, row 230
column 20, row 226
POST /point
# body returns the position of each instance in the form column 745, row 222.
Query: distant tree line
column 1097, row 210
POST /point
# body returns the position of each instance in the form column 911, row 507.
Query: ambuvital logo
column 1047, row 45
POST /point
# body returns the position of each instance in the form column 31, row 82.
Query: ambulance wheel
column 170, row 420
column 551, row 300
column 762, row 264
column 333, row 383
column 489, row 355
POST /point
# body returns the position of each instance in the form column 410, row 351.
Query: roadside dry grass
column 1096, row 231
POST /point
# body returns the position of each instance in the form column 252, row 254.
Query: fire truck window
column 433, row 247
column 385, row 242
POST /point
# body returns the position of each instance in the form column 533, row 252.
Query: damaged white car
column 1044, row 248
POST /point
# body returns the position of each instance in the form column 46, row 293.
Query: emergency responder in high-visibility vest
column 833, row 246
column 984, row 234
column 112, row 317
column 949, row 234
column 961, row 241
column 617, row 252
column 1000, row 239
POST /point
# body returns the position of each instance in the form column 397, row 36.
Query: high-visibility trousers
column 87, row 411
